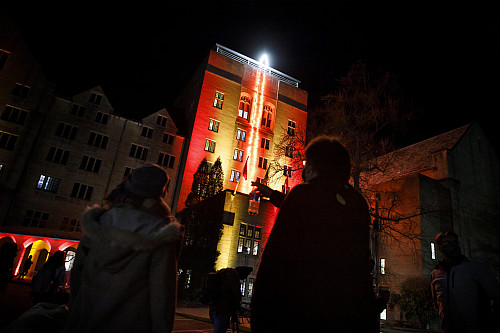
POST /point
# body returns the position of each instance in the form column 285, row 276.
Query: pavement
column 200, row 312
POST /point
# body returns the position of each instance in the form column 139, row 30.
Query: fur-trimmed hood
column 123, row 229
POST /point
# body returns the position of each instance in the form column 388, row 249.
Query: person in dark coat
column 8, row 252
column 124, row 278
column 26, row 267
column 465, row 292
column 315, row 269
column 49, row 278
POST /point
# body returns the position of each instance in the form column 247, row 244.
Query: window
column 90, row 164
column 244, row 107
column 58, row 155
column 287, row 171
column 433, row 251
column 264, row 143
column 70, row 224
column 289, row 151
column 147, row 132
column 235, row 176
column 138, row 152
column 101, row 117
column 48, row 183
column 250, row 287
column 2, row 168
column 7, row 140
column 14, row 115
column 95, row 98
column 382, row 266
column 168, row 138
column 4, row 55
column 241, row 135
column 219, row 98
column 82, row 191
column 213, row 125
column 161, row 121
column 243, row 284
column 210, row 145
column 66, row 131
column 69, row 259
column 238, row 155
column 98, row 140
column 77, row 110
column 166, row 160
column 35, row 218
column 263, row 162
column 291, row 128
column 249, row 239
column 21, row 90
column 267, row 116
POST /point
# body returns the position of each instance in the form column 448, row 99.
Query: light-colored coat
column 125, row 272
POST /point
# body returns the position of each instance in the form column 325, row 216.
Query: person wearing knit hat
column 124, row 276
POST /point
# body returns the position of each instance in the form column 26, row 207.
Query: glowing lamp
column 264, row 60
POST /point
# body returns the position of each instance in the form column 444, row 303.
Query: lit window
column 291, row 128
column 219, row 98
column 241, row 135
column 244, row 108
column 238, row 155
column 267, row 116
column 383, row 315
column 433, row 251
column 382, row 266
column 48, row 183
column 2, row 168
column 249, row 240
column 69, row 259
column 210, row 145
column 250, row 287
column 242, row 287
column 213, row 125
column 235, row 176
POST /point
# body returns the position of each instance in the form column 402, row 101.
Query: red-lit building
column 238, row 109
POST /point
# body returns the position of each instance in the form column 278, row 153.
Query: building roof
column 415, row 158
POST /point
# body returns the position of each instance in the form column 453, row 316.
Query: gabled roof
column 414, row 158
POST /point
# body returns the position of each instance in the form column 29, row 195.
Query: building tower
column 237, row 108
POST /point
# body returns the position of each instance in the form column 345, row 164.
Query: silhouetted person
column 315, row 270
column 228, row 302
column 26, row 267
column 49, row 278
column 124, row 276
column 7, row 254
column 463, row 289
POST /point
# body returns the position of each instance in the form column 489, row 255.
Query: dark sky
column 446, row 57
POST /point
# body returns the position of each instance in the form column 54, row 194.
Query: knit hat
column 147, row 181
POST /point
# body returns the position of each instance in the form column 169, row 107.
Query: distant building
column 448, row 182
column 60, row 154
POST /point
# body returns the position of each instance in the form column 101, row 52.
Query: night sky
column 446, row 58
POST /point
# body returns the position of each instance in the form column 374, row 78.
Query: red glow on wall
column 254, row 137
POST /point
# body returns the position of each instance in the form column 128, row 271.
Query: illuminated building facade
column 238, row 109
